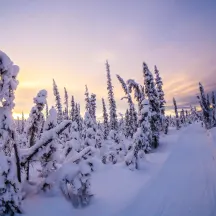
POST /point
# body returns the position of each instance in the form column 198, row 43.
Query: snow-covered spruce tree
column 87, row 100
column 58, row 102
column 139, row 93
column 89, row 130
column 105, row 120
column 47, row 110
column 99, row 138
column 208, row 101
column 72, row 113
column 66, row 111
column 132, row 112
column 121, row 124
column 73, row 145
column 10, row 172
column 112, row 103
column 48, row 158
column 142, row 138
column 22, row 138
column 176, row 114
column 93, row 106
column 127, row 124
column 154, row 103
column 23, row 123
column 18, row 126
column 77, row 117
column 182, row 117
column 213, row 109
column 159, row 87
column 166, row 125
column 193, row 117
column 35, row 122
column 204, row 106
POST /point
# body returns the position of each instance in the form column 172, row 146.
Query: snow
column 41, row 97
column 179, row 178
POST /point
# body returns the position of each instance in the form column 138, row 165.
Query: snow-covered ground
column 179, row 178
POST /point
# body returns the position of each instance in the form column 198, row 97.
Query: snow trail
column 186, row 185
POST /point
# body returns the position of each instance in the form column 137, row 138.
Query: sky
column 70, row 40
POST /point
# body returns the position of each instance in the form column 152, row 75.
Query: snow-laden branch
column 84, row 154
column 47, row 138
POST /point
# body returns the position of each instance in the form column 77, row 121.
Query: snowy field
column 177, row 179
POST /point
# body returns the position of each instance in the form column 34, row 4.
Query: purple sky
column 70, row 40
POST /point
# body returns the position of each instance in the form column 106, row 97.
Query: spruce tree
column 35, row 122
column 205, row 107
column 66, row 111
column 208, row 101
column 139, row 93
column 77, row 117
column 72, row 108
column 48, row 157
column 93, row 106
column 127, row 127
column 176, row 114
column 47, row 110
column 87, row 99
column 213, row 108
column 159, row 87
column 23, row 123
column 58, row 102
column 105, row 120
column 10, row 172
column 154, row 103
column 142, row 138
column 112, row 103
column 89, row 131
column 182, row 117
column 133, row 115
column 18, row 127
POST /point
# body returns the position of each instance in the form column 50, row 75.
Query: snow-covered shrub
column 75, row 176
